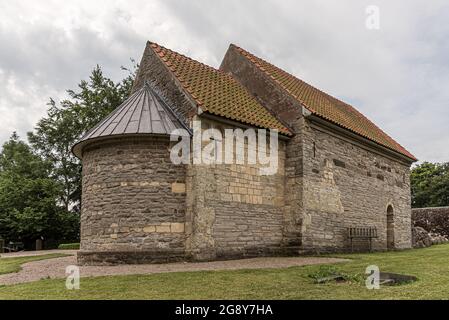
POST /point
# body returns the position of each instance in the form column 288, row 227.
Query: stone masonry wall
column 260, row 86
column 133, row 202
column 347, row 185
column 233, row 211
column 152, row 69
column 333, row 184
column 434, row 220
column 289, row 111
column 138, row 207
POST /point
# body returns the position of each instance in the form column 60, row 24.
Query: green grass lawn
column 430, row 265
column 9, row 265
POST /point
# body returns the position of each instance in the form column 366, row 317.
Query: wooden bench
column 363, row 233
column 14, row 246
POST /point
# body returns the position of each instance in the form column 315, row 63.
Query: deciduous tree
column 67, row 121
column 430, row 185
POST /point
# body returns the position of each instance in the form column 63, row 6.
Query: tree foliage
column 67, row 121
column 430, row 185
column 28, row 197
column 40, row 183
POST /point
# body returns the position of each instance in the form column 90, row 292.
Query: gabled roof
column 216, row 92
column 144, row 112
column 325, row 106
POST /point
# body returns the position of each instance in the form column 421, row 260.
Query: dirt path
column 55, row 268
column 35, row 253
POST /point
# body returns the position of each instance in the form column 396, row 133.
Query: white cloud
column 397, row 75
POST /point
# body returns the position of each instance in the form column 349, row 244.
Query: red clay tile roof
column 326, row 106
column 217, row 92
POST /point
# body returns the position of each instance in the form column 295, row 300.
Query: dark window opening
column 339, row 163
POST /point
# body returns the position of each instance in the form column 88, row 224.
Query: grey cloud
column 397, row 75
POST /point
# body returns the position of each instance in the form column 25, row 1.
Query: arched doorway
column 390, row 228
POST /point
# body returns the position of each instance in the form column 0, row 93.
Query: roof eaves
column 178, row 78
column 249, row 56
column 198, row 103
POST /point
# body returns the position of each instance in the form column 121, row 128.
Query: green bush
column 69, row 246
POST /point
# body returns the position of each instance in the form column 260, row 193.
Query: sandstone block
column 162, row 229
column 178, row 187
column 149, row 229
column 177, row 227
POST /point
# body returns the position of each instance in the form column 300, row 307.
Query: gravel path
column 55, row 268
column 35, row 253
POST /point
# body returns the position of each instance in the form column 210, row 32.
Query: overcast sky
column 397, row 75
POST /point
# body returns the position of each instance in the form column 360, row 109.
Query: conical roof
column 144, row 112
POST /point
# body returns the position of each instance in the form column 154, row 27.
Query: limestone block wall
column 289, row 111
column 331, row 183
column 233, row 211
column 133, row 202
column 294, row 197
column 347, row 184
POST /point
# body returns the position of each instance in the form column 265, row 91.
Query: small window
column 217, row 142
column 339, row 163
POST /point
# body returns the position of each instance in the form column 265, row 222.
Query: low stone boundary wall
column 435, row 220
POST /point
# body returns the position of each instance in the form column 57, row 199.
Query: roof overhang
column 78, row 148
column 144, row 113
column 363, row 142
column 237, row 124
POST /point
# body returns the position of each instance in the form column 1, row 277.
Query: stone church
column 337, row 169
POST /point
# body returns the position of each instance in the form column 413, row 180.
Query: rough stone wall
column 294, row 206
column 333, row 183
column 434, row 220
column 349, row 185
column 260, row 86
column 139, row 207
column 233, row 211
column 133, row 201
column 289, row 111
column 152, row 69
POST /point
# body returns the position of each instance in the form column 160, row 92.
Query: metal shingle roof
column 144, row 112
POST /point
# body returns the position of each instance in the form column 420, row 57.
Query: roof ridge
column 118, row 122
column 155, row 45
column 326, row 95
column 250, row 56
column 158, row 49
column 366, row 118
column 158, row 95
column 113, row 114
